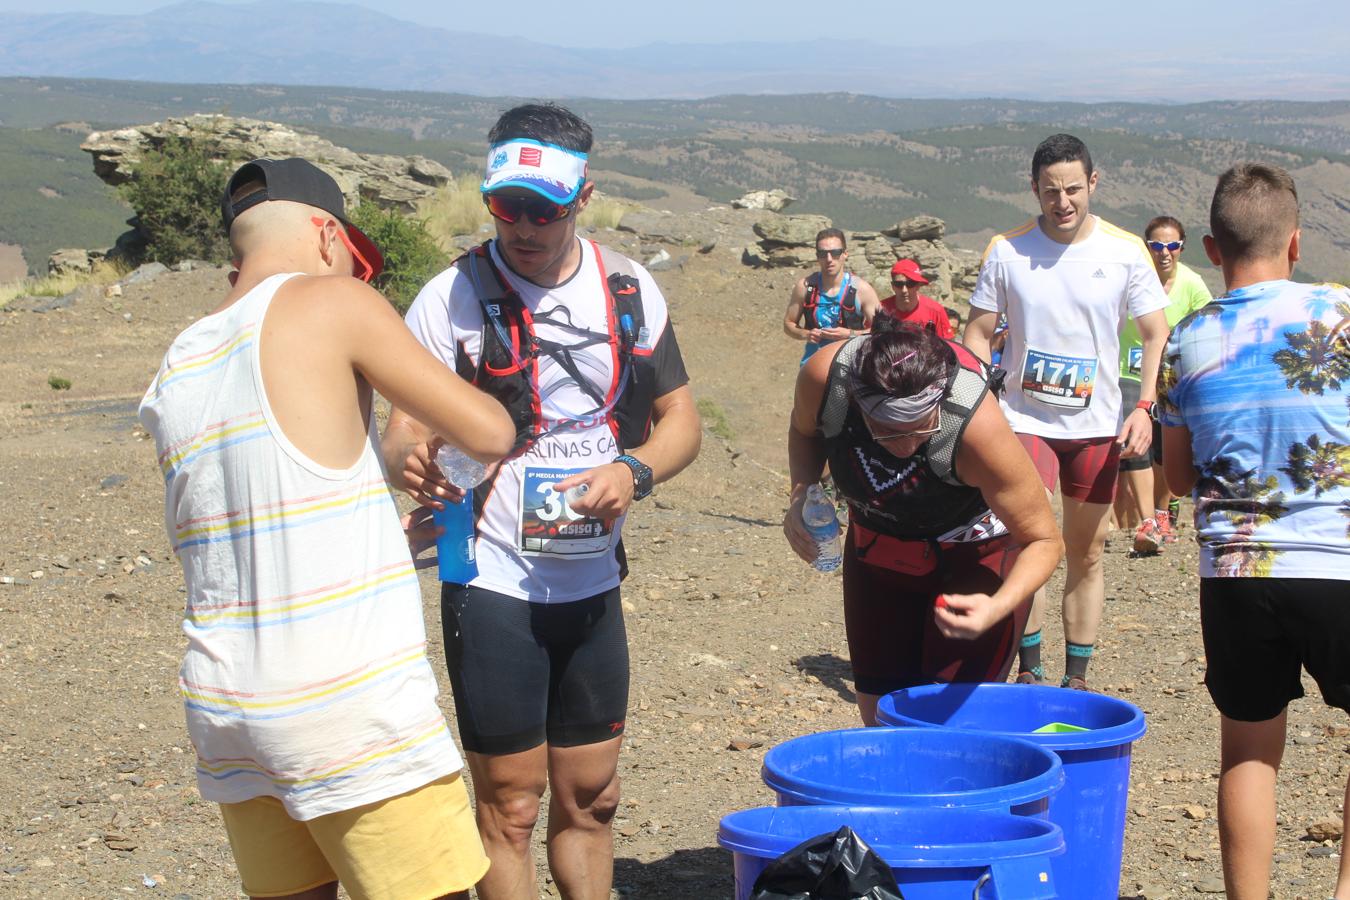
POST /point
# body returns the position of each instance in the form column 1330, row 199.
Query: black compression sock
column 1029, row 655
column 1076, row 659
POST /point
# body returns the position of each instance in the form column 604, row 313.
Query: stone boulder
column 392, row 182
column 790, row 231
column 69, row 261
column 918, row 228
column 775, row 200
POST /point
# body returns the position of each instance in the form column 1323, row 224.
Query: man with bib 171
column 574, row 340
column 1066, row 281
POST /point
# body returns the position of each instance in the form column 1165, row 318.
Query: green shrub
column 411, row 255
column 175, row 192
column 57, row 383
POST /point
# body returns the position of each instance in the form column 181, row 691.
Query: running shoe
column 1165, row 529
column 1148, row 538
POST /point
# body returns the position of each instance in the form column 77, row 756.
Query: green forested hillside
column 863, row 161
column 50, row 198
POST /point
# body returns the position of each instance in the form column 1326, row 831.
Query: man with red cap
column 908, row 305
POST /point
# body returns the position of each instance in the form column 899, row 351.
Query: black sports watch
column 642, row 475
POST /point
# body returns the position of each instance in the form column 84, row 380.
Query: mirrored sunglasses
column 1159, row 246
column 535, row 210
column 834, row 253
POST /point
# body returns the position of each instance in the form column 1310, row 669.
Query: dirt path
column 735, row 643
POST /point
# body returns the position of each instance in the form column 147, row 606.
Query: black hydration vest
column 918, row 498
column 849, row 315
column 508, row 360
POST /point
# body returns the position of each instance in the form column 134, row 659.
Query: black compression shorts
column 524, row 673
column 1259, row 633
column 894, row 642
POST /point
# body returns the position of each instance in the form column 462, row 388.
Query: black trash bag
column 835, row 866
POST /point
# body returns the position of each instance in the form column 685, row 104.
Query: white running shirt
column 527, row 545
column 1066, row 305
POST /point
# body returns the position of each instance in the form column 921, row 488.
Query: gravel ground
column 736, row 645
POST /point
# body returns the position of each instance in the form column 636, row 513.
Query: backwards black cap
column 299, row 181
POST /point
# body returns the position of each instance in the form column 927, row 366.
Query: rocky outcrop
column 392, row 182
column 70, row 261
column 790, row 241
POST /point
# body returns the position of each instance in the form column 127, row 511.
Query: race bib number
column 1059, row 380
column 1135, row 360
column 549, row 526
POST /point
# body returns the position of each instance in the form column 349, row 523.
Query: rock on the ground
column 790, row 231
column 70, row 261
column 775, row 200
column 918, row 228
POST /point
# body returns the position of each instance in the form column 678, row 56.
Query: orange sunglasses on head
column 365, row 271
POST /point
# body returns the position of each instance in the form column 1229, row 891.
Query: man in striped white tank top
column 309, row 698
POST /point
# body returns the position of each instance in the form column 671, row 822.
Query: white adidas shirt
column 1066, row 305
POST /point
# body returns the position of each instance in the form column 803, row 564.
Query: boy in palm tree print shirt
column 1254, row 394
column 1260, row 378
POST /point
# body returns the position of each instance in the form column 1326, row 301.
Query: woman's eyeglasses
column 883, row 437
column 535, row 210
column 1159, row 246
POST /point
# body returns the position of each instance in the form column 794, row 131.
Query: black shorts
column 1259, row 632
column 524, row 673
column 893, row 640
column 1129, row 396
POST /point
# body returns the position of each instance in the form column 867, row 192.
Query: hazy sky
column 1276, row 28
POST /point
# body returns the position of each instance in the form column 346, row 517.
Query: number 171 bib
column 1059, row 380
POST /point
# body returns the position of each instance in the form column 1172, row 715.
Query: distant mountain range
column 866, row 162
column 334, row 43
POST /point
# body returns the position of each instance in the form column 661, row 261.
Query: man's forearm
column 676, row 436
column 979, row 333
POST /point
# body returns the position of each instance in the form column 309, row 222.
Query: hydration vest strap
column 848, row 302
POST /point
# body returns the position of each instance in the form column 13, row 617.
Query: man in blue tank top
column 832, row 304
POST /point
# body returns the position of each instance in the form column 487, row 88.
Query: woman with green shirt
column 1141, row 477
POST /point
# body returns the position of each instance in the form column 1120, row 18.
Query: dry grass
column 457, row 209
column 454, row 210
column 104, row 272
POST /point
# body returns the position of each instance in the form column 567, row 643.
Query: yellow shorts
column 421, row 844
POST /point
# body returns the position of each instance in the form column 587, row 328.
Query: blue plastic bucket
column 936, row 854
column 1091, row 808
column 913, row 767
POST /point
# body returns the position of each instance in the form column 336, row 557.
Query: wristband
column 1145, row 405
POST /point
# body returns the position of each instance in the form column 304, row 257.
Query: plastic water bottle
column 455, row 547
column 460, row 469
column 573, row 494
column 818, row 514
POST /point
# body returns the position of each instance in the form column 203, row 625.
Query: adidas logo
column 1099, row 274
